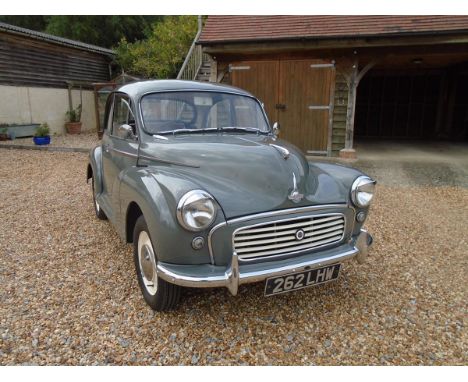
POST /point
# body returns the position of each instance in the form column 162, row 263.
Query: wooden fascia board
column 344, row 43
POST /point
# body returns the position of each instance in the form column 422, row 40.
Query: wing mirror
column 276, row 129
column 126, row 131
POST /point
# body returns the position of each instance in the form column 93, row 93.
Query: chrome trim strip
column 162, row 137
column 153, row 158
column 210, row 234
column 233, row 276
column 123, row 153
column 296, row 210
column 285, row 254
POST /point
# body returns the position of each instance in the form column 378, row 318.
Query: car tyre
column 97, row 208
column 158, row 293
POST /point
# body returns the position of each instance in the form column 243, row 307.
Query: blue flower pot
column 42, row 140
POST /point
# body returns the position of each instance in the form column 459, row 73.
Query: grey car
column 194, row 176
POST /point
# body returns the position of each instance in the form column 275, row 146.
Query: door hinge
column 240, row 67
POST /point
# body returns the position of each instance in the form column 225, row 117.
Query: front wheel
column 158, row 294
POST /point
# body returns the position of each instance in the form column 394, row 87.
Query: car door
column 120, row 149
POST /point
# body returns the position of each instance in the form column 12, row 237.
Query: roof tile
column 252, row 28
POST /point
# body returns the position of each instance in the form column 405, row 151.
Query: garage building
column 329, row 80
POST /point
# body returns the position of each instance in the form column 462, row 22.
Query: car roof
column 137, row 89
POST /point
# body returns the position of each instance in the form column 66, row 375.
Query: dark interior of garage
column 414, row 102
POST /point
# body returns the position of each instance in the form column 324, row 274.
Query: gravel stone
column 69, row 294
column 86, row 140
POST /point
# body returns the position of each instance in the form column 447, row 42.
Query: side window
column 122, row 115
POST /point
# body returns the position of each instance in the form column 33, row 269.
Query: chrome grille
column 280, row 237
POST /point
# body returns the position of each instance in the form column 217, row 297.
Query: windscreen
column 175, row 111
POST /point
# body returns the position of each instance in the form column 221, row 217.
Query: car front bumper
column 212, row 276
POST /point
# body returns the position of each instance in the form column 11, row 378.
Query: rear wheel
column 97, row 208
column 158, row 294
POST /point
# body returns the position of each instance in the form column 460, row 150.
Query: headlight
column 362, row 191
column 196, row 210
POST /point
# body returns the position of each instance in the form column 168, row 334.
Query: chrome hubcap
column 147, row 263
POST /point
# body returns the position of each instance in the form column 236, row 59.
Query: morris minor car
column 193, row 175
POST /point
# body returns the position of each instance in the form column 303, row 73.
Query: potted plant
column 42, row 136
column 3, row 134
column 73, row 125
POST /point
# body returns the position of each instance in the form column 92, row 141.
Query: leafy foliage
column 105, row 31
column 43, row 130
column 37, row 23
column 74, row 115
column 163, row 52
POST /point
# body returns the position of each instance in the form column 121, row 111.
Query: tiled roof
column 54, row 39
column 254, row 28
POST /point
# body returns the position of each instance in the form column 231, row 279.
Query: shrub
column 74, row 115
column 43, row 130
column 161, row 55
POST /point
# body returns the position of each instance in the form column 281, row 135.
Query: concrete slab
column 411, row 163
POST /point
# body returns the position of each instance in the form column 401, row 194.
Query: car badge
column 295, row 196
column 300, row 234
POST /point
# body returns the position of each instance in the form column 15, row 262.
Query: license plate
column 299, row 280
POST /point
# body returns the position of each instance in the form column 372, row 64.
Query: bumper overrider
column 212, row 276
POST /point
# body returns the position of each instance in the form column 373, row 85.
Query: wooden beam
column 311, row 44
column 364, row 70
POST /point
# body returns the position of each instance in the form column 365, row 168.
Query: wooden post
column 213, row 70
column 70, row 101
column 352, row 86
column 353, row 81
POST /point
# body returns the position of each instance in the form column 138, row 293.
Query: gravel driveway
column 69, row 293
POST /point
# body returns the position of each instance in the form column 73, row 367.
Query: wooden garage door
column 261, row 78
column 296, row 93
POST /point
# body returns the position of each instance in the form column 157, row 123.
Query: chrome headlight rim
column 357, row 184
column 202, row 195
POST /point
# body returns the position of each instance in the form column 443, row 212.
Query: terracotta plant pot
column 73, row 127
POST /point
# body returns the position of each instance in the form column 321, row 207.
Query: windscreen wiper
column 241, row 129
column 186, row 131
